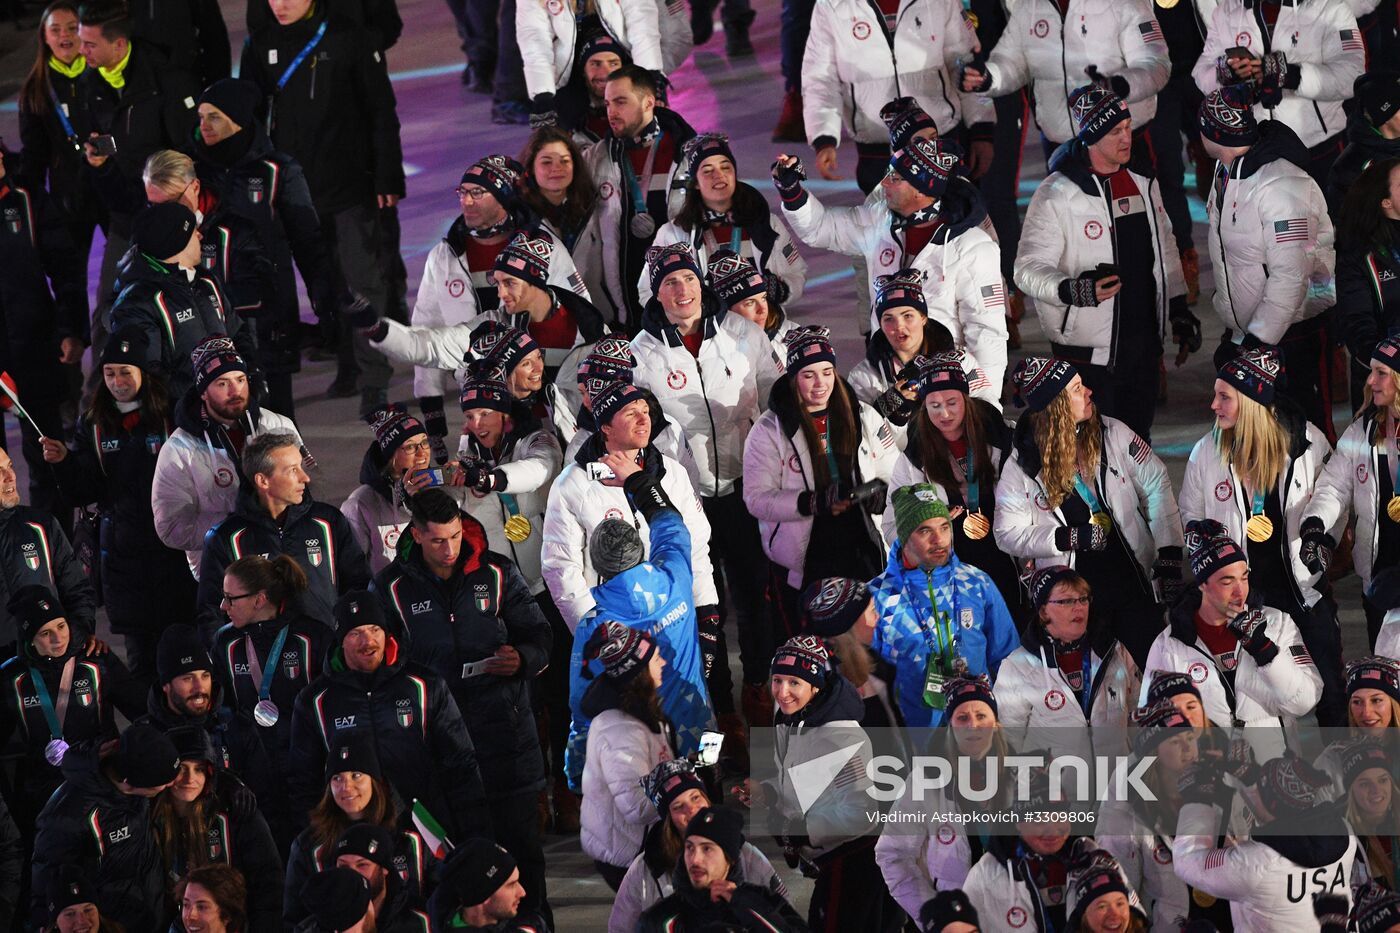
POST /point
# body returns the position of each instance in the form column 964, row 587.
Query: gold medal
column 517, row 528
column 1392, row 508
column 1201, row 898
column 1102, row 520
column 1167, row 4
column 976, row 526
column 1259, row 529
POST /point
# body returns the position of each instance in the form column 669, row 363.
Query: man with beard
column 481, row 890
column 35, row 551
column 580, row 105
column 198, row 471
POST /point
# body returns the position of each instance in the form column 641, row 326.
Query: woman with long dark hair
column 745, row 291
column 145, row 585
column 1368, row 268
column 558, row 186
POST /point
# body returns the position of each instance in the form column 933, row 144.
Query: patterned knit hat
column 1387, row 351
column 733, row 278
column 1038, row 380
column 927, row 164
column 1374, row 673
column 211, row 358
column 1167, row 684
column 1254, row 372
column 602, row 42
column 485, row 387
column 392, row 425
column 901, row 289
column 964, row 688
column 1095, row 110
column 805, row 657
column 1154, row 723
column 807, row 346
column 1227, row 116
column 944, row 372
column 609, row 361
column 663, row 260
column 669, row 780
column 1209, row 547
column 832, row 605
column 904, row 117
column 699, row 148
column 1092, row 884
column 612, row 398
column 1042, row 582
column 498, row 174
column 1361, row 756
column 502, row 345
column 914, row 505
column 1289, row 785
column 621, row 650
column 1376, row 910
column 527, row 258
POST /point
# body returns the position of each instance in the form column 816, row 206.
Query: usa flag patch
column 1139, row 450
column 1215, row 858
column 1291, row 231
column 1152, row 32
column 1351, row 41
column 994, row 296
column 885, row 435
column 789, row 252
column 977, row 380
column 576, row 282
column 1300, row 655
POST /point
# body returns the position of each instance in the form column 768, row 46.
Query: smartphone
column 434, row 476
column 474, row 668
column 710, row 743
column 867, row 491
column 1237, row 51
column 1106, row 270
column 910, row 372
column 600, row 471
column 105, row 145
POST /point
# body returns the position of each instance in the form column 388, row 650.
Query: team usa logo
column 887, row 256
column 1041, row 28
column 861, row 30
column 1041, row 502
column 1223, row 491
column 223, row 477
column 946, row 835
column 1054, row 700
column 1093, row 229
column 613, row 513
column 1361, row 473
column 605, row 190
column 456, row 287
column 1196, row 670
column 1017, row 917
column 1243, row 39
column 675, row 379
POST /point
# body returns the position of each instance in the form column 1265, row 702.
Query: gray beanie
column 614, row 547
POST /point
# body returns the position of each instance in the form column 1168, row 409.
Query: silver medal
column 643, row 226
column 265, row 714
column 54, row 751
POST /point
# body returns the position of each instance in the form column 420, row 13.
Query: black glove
column 710, row 628
column 1248, row 626
column 360, row 313
column 542, row 111
column 1086, row 855
column 1167, row 569
column 1332, row 912
column 1084, row 537
column 236, row 798
column 1273, row 71
column 1316, row 545
column 475, row 474
column 1239, row 761
column 1186, row 329
column 1080, row 291
column 1100, row 80
column 435, row 421
column 789, row 178
column 1200, row 783
column 645, row 492
column 1224, row 74
column 822, row 501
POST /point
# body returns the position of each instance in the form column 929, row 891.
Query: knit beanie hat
column 526, row 257
column 211, row 358
column 1095, row 110
column 603, row 42
column 1289, row 785
column 832, row 605
column 127, row 347
column 1038, row 798
column 32, row 607
column 612, row 398
column 901, row 289
column 699, row 148
column 145, row 757
column 804, row 657
column 368, row 841
column 927, row 164
column 1167, row 684
column 1093, row 884
column 1376, row 910
column 476, row 869
column 351, row 751
column 1209, row 547
column 361, row 607
column 944, row 372
column 1377, row 93
column 614, row 547
column 193, row 743
column 676, row 257
column 1254, row 372
column 1042, row 582
column 162, row 230
column 1387, row 351
column 733, row 278
column 1362, row 756
column 1038, row 380
column 610, row 361
column 1227, row 116
column 1374, row 673
column 337, row 898
column 945, row 908
column 501, row 345
column 392, row 426
column 498, row 174
column 180, row 651
column 808, row 346
column 723, row 827
column 964, row 688
column 904, row 117
column 485, row 387
column 623, row 651
column 69, row 885
column 914, row 505
column 669, row 780
column 239, row 100
column 1154, row 723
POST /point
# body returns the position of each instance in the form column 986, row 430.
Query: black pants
column 141, row 653
column 612, row 874
column 551, row 688
column 1128, row 392
column 516, row 823
column 1374, row 617
column 795, row 23
column 487, row 31
column 741, row 569
column 850, row 894
column 357, row 239
column 1321, row 157
column 1177, row 106
column 1322, row 635
column 1000, row 186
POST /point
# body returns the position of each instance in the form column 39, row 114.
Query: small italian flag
column 431, row 831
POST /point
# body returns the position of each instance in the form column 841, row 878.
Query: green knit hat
column 914, row 505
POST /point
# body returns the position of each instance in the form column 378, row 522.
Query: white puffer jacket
column 778, row 469
column 782, row 261
column 1069, row 230
column 716, row 397
column 378, row 524
column 1272, row 240
column 1349, row 484
column 1050, row 52
column 446, row 298
column 615, row 812
column 1328, row 60
column 964, row 289
column 547, row 33
column 850, row 70
column 577, row 504
column 1212, row 489
column 869, row 381
column 670, row 440
column 920, row 858
column 640, row 888
column 195, row 485
column 1134, row 487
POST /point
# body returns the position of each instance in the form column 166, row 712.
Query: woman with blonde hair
column 1360, row 480
column 1372, row 812
column 1081, row 489
column 1255, row 472
column 1373, row 715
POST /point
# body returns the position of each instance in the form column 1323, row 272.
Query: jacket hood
column 189, row 415
column 1098, row 637
column 1321, row 840
column 1291, row 416
column 835, row 702
column 782, row 402
column 960, row 209
column 654, row 319
column 880, row 354
column 1071, row 159
column 1277, row 142
column 372, row 472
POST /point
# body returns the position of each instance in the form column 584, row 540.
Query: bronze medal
column 1102, row 520
column 1392, row 508
column 1259, row 529
column 976, row 526
column 517, row 528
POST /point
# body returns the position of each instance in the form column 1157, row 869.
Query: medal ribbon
column 63, row 118
column 1086, row 684
column 1392, row 460
column 944, row 650
column 640, row 189
column 1257, row 505
column 736, row 239
column 1087, row 494
column 509, row 502
column 54, row 716
column 264, row 678
column 972, row 496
